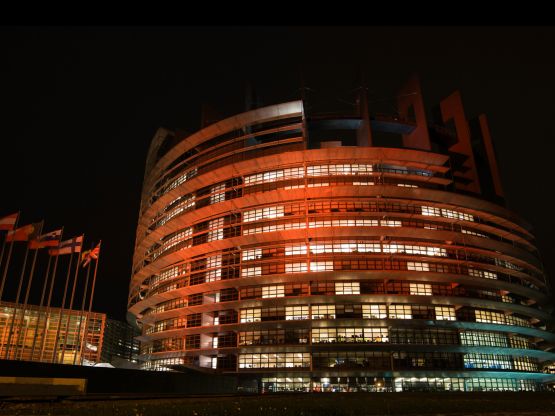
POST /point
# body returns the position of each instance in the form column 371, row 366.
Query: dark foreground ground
column 316, row 404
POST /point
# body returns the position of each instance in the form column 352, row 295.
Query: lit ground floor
column 479, row 381
column 468, row 404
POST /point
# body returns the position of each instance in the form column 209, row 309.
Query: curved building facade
column 363, row 252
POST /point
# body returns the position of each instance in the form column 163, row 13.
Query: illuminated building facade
column 119, row 341
column 38, row 334
column 363, row 252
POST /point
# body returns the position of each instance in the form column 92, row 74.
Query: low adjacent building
column 52, row 335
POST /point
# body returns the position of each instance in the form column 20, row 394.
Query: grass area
column 315, row 404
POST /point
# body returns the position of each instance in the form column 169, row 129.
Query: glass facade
column 352, row 268
column 50, row 334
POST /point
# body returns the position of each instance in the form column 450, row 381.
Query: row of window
column 330, row 288
column 384, row 360
column 217, row 232
column 398, row 384
column 364, row 311
column 339, row 335
column 331, row 311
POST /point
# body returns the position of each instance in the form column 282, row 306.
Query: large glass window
column 296, row 312
column 482, row 338
column 217, row 193
column 274, row 291
column 274, row 360
column 263, row 213
column 321, row 266
column 420, row 289
column 374, row 311
column 216, row 229
column 482, row 273
column 489, row 316
column 253, row 254
column 251, row 315
column 400, row 311
column 323, row 311
column 347, row 288
column 295, row 250
column 418, row 266
column 251, row 271
column 445, row 313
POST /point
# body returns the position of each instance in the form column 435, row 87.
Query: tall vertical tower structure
column 347, row 252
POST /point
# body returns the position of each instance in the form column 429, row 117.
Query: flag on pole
column 89, row 255
column 25, row 233
column 8, row 222
column 73, row 245
column 51, row 239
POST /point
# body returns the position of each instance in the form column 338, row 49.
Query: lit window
column 273, row 176
column 390, row 223
column 217, row 193
column 347, row 288
column 253, row 254
column 295, row 250
column 445, row 313
column 482, row 273
column 251, row 315
column 216, row 232
column 251, row 271
column 400, row 312
column 263, row 213
column 457, row 215
column 431, row 211
column 374, row 311
column 276, row 291
column 417, row 266
column 274, row 227
column 362, row 222
column 489, row 316
column 420, row 289
column 296, row 312
column 321, row 266
column 323, row 311
column 214, row 261
column 473, row 233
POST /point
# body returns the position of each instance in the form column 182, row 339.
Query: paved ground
column 318, row 404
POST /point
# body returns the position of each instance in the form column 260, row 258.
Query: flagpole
column 3, row 248
column 5, row 273
column 16, row 302
column 48, row 309
column 93, row 286
column 84, row 330
column 54, row 359
column 77, row 264
column 45, row 284
column 43, row 293
column 26, row 301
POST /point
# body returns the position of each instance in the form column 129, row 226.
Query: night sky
column 79, row 107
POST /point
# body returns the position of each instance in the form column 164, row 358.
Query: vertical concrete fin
column 492, row 160
column 410, row 103
column 452, row 110
column 364, row 132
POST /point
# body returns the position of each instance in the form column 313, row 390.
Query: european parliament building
column 339, row 252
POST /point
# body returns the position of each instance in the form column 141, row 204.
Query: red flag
column 89, row 255
column 8, row 222
column 51, row 239
column 24, row 233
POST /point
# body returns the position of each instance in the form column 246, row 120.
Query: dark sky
column 79, row 107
